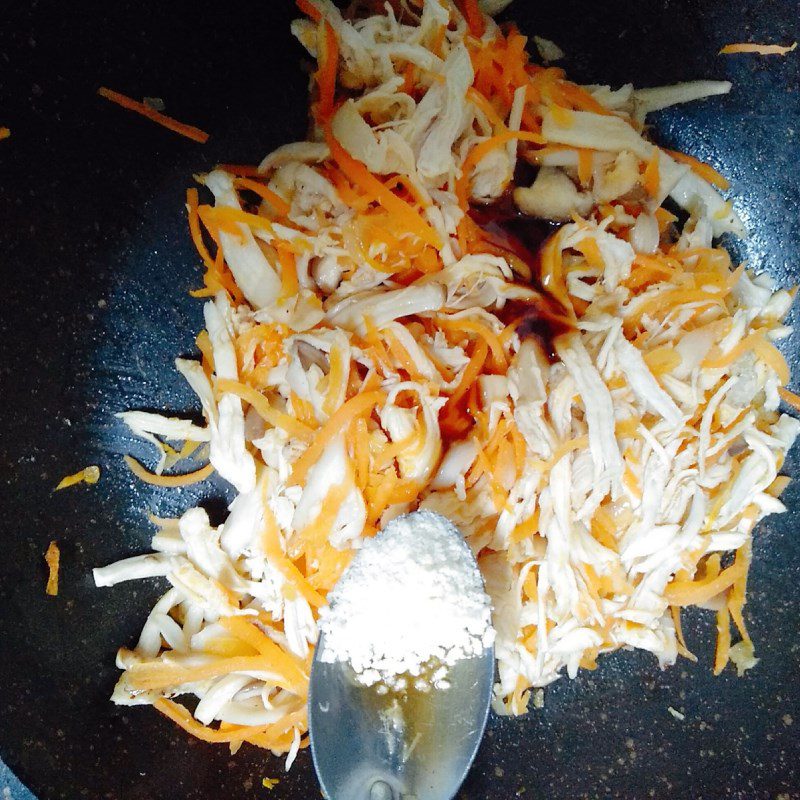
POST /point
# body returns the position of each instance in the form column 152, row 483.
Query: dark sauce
column 506, row 228
column 542, row 319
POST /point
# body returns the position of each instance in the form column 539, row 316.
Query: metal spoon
column 397, row 746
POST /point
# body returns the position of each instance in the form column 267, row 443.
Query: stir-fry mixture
column 465, row 292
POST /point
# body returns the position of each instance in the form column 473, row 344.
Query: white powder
column 410, row 605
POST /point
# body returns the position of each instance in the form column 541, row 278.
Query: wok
column 96, row 267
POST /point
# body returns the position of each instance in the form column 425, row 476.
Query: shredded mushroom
column 371, row 348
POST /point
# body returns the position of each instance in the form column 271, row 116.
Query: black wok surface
column 96, row 264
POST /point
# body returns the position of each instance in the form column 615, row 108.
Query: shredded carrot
column 758, row 49
column 401, row 355
column 745, row 345
column 390, row 490
column 181, row 717
column 316, row 535
column 271, row 546
column 303, row 410
column 665, row 218
column 585, row 163
column 438, row 39
column 338, row 374
column 410, row 187
column 705, row 171
column 675, row 611
column 662, row 360
column 289, row 283
column 203, row 342
column 367, row 182
column 227, row 219
column 4, row 133
column 276, row 418
column 241, row 170
column 395, row 449
column 652, row 179
column 450, row 418
column 477, row 153
column 738, row 593
column 161, row 674
column 88, row 475
column 565, row 448
column 243, row 628
column 552, row 274
column 484, row 331
column 326, row 74
column 665, row 301
column 189, row 131
column 280, row 206
column 773, row 357
column 374, row 338
column 168, row 480
column 474, row 17
column 53, row 559
column 354, row 407
column 578, row 98
column 562, row 116
column 409, row 79
column 485, row 105
column 723, row 648
column 309, row 9
column 361, row 454
column 194, row 228
column 524, row 530
column 591, row 251
column 790, row 397
column 692, row 593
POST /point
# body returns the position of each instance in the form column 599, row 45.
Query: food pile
column 478, row 289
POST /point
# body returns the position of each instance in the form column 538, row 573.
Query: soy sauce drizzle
column 508, row 229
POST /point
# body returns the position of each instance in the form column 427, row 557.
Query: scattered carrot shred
column 4, row 133
column 309, row 9
column 168, row 480
column 758, row 49
column 723, row 648
column 241, row 170
column 790, row 397
column 89, row 475
column 53, row 559
column 189, row 131
column 195, row 230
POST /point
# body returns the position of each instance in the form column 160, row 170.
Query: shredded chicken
column 370, row 349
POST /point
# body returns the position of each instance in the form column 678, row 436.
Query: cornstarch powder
column 410, row 605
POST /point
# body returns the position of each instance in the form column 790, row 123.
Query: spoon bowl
column 414, row 738
column 415, row 744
